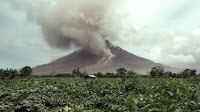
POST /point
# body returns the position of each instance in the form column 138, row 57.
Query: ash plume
column 78, row 23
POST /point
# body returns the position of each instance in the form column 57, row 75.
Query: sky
column 166, row 31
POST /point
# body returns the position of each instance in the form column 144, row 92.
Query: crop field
column 46, row 94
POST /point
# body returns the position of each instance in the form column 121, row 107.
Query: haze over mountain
column 87, row 61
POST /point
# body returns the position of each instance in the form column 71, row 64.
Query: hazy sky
column 164, row 31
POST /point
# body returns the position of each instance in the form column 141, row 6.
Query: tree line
column 160, row 72
column 155, row 72
column 12, row 73
column 120, row 73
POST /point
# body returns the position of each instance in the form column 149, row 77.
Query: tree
column 187, row 73
column 8, row 73
column 132, row 74
column 168, row 74
column 76, row 72
column 121, row 72
column 83, row 74
column 26, row 71
column 110, row 75
column 157, row 71
column 193, row 73
column 13, row 73
column 1, row 74
column 99, row 74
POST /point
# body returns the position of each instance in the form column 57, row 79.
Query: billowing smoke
column 78, row 23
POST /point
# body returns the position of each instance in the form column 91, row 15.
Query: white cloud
column 159, row 55
column 196, row 32
column 179, row 51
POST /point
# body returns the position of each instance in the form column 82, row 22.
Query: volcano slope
column 86, row 62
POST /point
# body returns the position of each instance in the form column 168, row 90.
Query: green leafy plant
column 131, row 94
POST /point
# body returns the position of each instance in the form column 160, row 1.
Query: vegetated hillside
column 82, row 59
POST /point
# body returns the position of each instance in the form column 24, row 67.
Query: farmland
column 60, row 94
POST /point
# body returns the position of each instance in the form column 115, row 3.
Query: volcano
column 85, row 60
